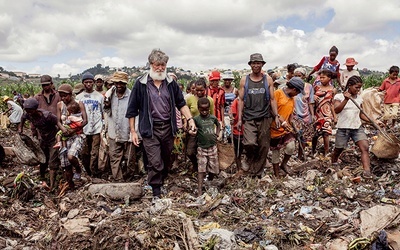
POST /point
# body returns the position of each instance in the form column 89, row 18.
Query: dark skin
column 120, row 88
column 99, row 85
column 256, row 75
column 300, row 154
column 392, row 78
column 324, row 87
column 47, row 89
column 215, row 84
column 35, row 114
column 291, row 92
column 69, row 100
column 332, row 57
column 363, row 145
column 204, row 110
column 228, row 87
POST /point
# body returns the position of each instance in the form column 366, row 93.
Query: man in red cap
column 218, row 95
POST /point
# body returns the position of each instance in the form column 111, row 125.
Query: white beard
column 158, row 76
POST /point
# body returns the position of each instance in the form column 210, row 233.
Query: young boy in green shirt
column 208, row 128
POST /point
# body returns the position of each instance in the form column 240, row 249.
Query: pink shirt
column 392, row 91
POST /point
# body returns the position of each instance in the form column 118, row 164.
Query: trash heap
column 318, row 207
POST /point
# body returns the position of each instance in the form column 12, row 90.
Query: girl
column 329, row 63
column 349, row 123
column 324, row 113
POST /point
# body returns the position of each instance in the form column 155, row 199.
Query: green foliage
column 372, row 80
column 7, row 87
column 236, row 81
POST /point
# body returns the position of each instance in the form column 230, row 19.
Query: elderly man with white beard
column 154, row 98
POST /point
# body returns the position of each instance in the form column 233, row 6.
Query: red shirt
column 392, row 91
column 234, row 111
column 218, row 95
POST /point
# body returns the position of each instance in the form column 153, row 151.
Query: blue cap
column 31, row 103
column 298, row 83
column 87, row 75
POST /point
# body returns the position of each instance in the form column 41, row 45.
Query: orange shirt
column 285, row 109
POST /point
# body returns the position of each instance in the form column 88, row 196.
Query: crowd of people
column 104, row 126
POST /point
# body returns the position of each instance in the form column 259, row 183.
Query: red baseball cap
column 214, row 75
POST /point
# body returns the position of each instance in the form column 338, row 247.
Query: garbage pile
column 318, row 207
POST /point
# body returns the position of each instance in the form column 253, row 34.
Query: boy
column 207, row 142
column 391, row 86
column 348, row 72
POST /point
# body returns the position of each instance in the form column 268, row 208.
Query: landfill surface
column 317, row 207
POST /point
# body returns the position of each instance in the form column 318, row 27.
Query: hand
column 192, row 126
column 185, row 125
column 347, row 95
column 277, row 122
column 107, row 103
column 193, row 131
column 239, row 125
column 222, row 124
column 135, row 138
column 285, row 125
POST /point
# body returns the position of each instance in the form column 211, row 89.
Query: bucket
column 386, row 146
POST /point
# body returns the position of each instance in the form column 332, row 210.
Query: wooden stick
column 372, row 121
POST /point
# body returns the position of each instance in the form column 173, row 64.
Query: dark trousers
column 256, row 142
column 121, row 154
column 90, row 154
column 158, row 149
column 238, row 145
column 52, row 160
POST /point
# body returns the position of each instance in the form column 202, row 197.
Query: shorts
column 74, row 146
column 344, row 134
column 390, row 111
column 290, row 149
column 207, row 159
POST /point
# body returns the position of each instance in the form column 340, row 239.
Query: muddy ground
column 316, row 208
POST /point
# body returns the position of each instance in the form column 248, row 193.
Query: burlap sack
column 28, row 151
column 386, row 148
column 226, row 155
column 4, row 121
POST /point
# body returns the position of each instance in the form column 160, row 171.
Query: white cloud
column 71, row 36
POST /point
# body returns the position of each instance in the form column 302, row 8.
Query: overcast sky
column 63, row 37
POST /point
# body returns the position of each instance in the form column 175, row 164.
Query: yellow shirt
column 285, row 109
column 191, row 102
